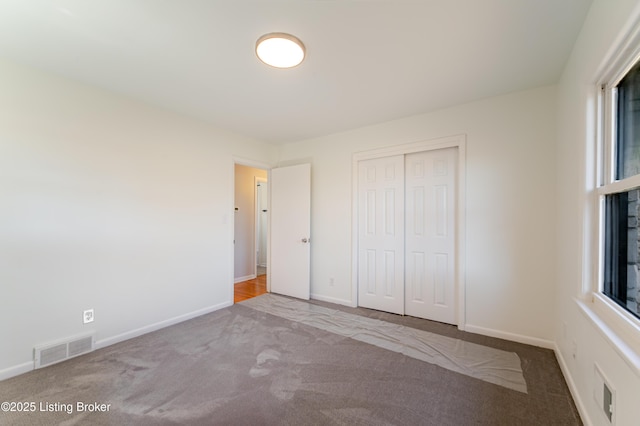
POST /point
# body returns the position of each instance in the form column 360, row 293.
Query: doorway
column 410, row 230
column 262, row 210
column 288, row 218
column 250, row 231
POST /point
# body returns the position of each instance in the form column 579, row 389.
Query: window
column 620, row 192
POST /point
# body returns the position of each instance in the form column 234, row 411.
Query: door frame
column 456, row 141
column 258, row 165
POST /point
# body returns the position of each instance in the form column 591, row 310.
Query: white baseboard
column 534, row 341
column 16, row 370
column 28, row 366
column 332, row 300
column 245, row 278
column 584, row 415
column 157, row 326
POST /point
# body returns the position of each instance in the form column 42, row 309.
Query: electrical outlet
column 607, row 401
column 604, row 395
column 331, row 281
column 87, row 316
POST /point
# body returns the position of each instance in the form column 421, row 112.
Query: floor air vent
column 51, row 354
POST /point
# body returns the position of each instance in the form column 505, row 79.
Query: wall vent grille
column 46, row 355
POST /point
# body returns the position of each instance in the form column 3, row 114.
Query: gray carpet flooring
column 482, row 362
column 242, row 366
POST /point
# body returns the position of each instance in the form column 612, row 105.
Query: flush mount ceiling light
column 280, row 50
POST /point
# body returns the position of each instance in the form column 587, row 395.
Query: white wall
column 510, row 217
column 245, row 221
column 110, row 204
column 606, row 23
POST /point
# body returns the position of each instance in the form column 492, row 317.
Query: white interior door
column 381, row 229
column 430, row 235
column 290, row 230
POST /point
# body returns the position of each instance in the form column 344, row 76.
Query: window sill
column 621, row 332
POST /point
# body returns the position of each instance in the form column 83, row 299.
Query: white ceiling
column 369, row 61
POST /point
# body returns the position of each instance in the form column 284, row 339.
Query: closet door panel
column 381, row 234
column 430, row 235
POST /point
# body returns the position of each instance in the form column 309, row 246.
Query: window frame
column 612, row 318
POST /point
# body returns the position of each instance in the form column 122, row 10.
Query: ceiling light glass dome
column 280, row 50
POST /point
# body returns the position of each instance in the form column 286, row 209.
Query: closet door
column 430, row 235
column 381, row 234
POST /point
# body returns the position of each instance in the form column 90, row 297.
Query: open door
column 290, row 252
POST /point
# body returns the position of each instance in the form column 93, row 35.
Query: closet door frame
column 456, row 141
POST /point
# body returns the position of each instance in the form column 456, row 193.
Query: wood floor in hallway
column 251, row 288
